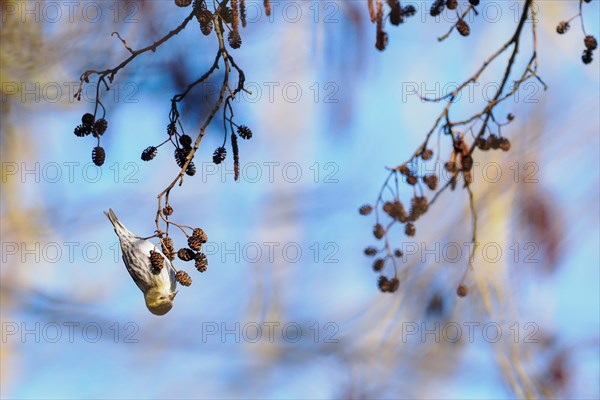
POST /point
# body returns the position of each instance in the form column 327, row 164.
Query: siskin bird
column 158, row 286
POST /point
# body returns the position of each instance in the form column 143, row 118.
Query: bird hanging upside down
column 158, row 285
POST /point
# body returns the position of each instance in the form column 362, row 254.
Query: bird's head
column 159, row 302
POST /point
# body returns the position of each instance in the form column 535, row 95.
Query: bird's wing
column 136, row 257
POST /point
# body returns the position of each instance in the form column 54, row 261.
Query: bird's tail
column 119, row 227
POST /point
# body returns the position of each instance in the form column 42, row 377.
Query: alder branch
column 111, row 72
column 461, row 161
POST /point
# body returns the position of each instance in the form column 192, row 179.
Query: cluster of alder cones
column 589, row 41
column 191, row 253
column 398, row 14
column 95, row 127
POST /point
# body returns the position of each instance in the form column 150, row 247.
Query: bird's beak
column 173, row 294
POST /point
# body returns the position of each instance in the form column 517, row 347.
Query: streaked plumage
column 159, row 289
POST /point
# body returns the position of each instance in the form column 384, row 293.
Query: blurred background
column 289, row 306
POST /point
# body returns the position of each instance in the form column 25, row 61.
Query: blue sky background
column 377, row 128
